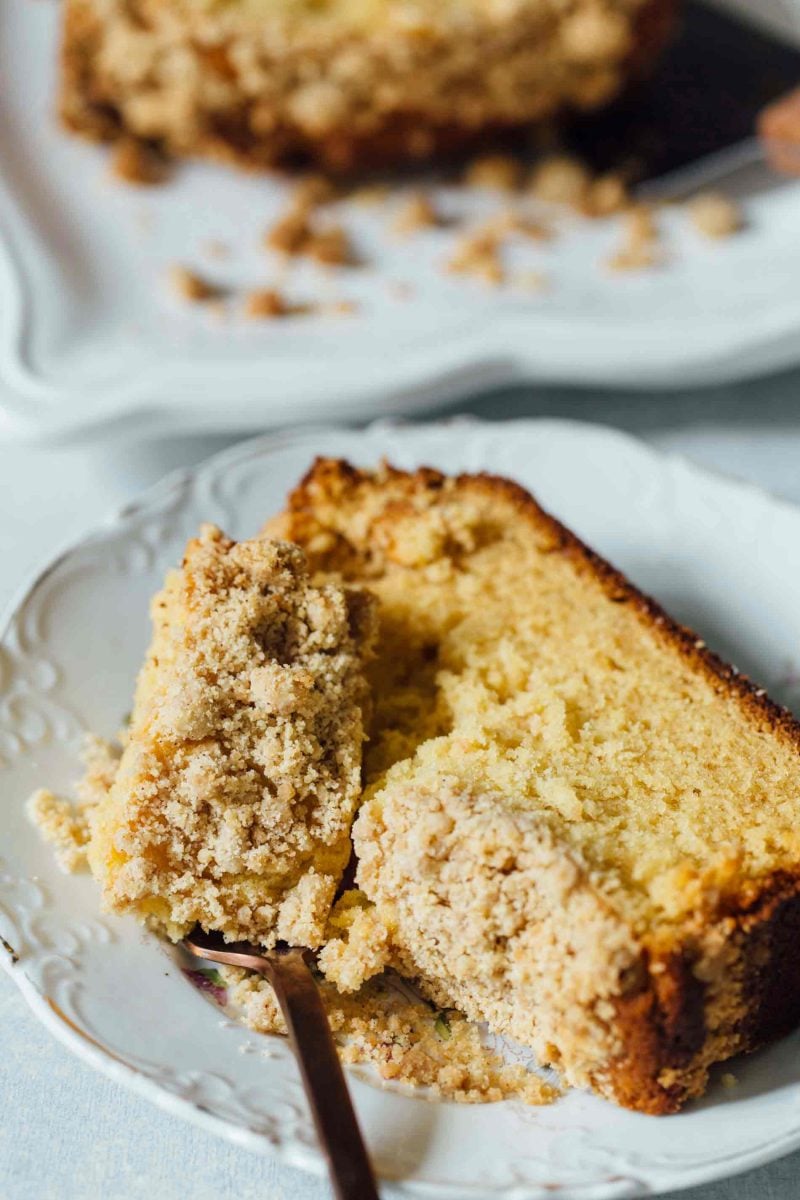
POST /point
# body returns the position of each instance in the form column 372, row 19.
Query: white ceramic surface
column 90, row 334
column 721, row 555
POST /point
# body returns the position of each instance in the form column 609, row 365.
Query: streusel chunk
column 236, row 790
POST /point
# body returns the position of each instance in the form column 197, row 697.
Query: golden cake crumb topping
column 191, row 286
column 236, row 789
column 715, row 215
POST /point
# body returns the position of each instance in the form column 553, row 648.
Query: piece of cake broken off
column 66, row 824
column 237, row 787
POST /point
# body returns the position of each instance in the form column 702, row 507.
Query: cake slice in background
column 347, row 83
column 241, row 773
column 579, row 824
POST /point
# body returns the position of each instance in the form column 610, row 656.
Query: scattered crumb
column 417, row 212
column 534, row 230
column 715, row 215
column 291, row 232
column 133, row 161
column 314, row 190
column 191, row 286
column 264, row 304
column 606, row 195
column 560, row 179
column 295, row 234
column 498, row 171
column 508, row 222
column 370, row 194
column 564, row 180
column 63, row 825
column 404, row 1038
column 478, row 254
column 66, row 824
column 640, row 248
column 331, row 247
column 412, row 1044
column 729, row 1080
column 639, row 224
column 634, row 258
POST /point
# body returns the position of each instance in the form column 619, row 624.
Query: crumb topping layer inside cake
column 237, row 787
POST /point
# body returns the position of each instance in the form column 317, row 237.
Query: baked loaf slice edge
column 580, row 824
column 349, row 85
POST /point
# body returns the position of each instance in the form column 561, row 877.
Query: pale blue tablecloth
column 65, row 1132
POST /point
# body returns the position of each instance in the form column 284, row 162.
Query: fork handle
column 351, row 1175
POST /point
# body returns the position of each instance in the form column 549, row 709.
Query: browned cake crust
column 260, row 91
column 721, row 980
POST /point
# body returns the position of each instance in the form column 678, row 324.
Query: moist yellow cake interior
column 502, row 671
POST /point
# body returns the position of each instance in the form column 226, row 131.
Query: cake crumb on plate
column 264, row 304
column 477, row 253
column 134, row 161
column 715, row 215
column 417, row 212
column 501, row 172
column 191, row 286
column 406, row 1039
column 560, row 179
column 63, row 825
column 296, row 235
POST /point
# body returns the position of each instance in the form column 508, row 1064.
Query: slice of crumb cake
column 236, row 790
column 350, row 84
column 579, row 824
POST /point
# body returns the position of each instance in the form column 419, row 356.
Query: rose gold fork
column 287, row 970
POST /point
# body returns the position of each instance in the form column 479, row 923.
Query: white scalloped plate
column 90, row 335
column 721, row 555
